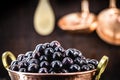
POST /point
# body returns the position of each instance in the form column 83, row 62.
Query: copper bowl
column 76, row 23
column 108, row 24
column 86, row 75
column 79, row 22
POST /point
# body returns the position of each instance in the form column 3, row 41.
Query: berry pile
column 53, row 58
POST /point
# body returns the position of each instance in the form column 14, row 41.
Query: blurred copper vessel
column 79, row 22
column 86, row 75
column 108, row 27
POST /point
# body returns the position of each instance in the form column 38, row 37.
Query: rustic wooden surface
column 17, row 33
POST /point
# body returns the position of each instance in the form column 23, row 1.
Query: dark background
column 17, row 32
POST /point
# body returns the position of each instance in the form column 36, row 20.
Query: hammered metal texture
column 88, row 75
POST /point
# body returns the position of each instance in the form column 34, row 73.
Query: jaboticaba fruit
column 51, row 57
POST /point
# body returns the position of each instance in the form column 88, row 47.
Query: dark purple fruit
column 44, row 64
column 56, row 65
column 47, row 45
column 40, row 48
column 28, row 54
column 13, row 63
column 67, row 62
column 87, row 60
column 43, row 70
column 77, row 60
column 28, row 59
column 69, row 52
column 85, row 68
column 34, row 61
column 49, row 52
column 77, row 54
column 22, row 70
column 52, row 58
column 20, row 57
column 54, row 44
column 91, row 66
column 33, row 68
column 60, row 49
column 82, row 62
column 76, row 51
column 57, row 56
column 36, row 55
column 94, row 62
column 43, row 58
column 73, row 53
column 22, row 64
column 14, row 68
column 74, row 68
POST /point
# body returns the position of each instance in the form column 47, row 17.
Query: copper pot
column 79, row 22
column 108, row 27
column 86, row 75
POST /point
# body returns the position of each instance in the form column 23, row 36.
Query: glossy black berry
column 91, row 66
column 94, row 62
column 56, row 65
column 34, row 61
column 13, row 63
column 77, row 60
column 22, row 70
column 57, row 56
column 69, row 53
column 20, row 57
column 85, row 68
column 82, row 62
column 49, row 52
column 28, row 59
column 87, row 60
column 44, row 64
column 28, row 54
column 43, row 70
column 54, row 44
column 23, row 64
column 36, row 55
column 40, row 48
column 67, row 62
column 14, row 68
column 60, row 49
column 74, row 68
column 43, row 58
column 82, row 57
column 77, row 53
column 52, row 58
column 73, row 53
column 47, row 45
column 33, row 68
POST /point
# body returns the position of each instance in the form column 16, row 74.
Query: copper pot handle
column 4, row 58
column 101, row 67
